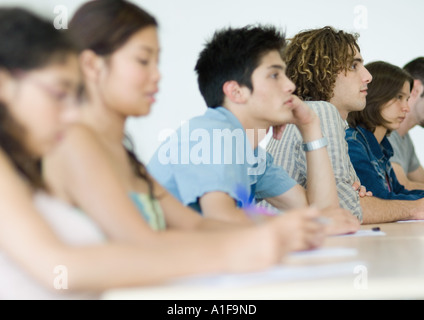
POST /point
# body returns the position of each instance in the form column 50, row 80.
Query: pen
column 255, row 212
column 249, row 206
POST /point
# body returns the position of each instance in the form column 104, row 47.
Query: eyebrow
column 358, row 60
column 147, row 48
column 276, row 66
column 69, row 84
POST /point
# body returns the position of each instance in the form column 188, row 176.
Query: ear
column 4, row 76
column 7, row 86
column 234, row 92
column 91, row 64
column 417, row 89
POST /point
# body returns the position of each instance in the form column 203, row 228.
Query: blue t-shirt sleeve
column 189, row 168
column 274, row 181
column 194, row 180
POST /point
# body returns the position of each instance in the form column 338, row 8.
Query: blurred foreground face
column 130, row 77
column 42, row 102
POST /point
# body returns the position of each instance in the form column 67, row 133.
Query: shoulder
column 7, row 169
column 215, row 118
column 394, row 137
column 355, row 139
column 78, row 140
column 354, row 136
column 80, row 134
column 78, row 153
column 212, row 122
column 330, row 118
column 11, row 181
column 408, row 139
column 80, row 146
column 323, row 108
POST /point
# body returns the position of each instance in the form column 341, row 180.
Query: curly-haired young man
column 327, row 68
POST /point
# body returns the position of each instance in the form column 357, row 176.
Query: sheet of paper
column 363, row 233
column 273, row 275
column 410, row 221
column 326, row 253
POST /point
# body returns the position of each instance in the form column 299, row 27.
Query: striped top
column 289, row 154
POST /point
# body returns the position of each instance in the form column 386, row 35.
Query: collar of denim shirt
column 381, row 150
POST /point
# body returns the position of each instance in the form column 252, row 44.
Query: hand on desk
column 341, row 221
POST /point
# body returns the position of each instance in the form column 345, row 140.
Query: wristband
column 315, row 145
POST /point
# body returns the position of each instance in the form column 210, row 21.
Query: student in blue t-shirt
column 213, row 162
column 369, row 148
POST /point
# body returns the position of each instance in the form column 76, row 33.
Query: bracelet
column 315, row 145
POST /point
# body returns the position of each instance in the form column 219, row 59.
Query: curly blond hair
column 314, row 59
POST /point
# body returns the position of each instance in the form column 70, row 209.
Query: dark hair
column 314, row 59
column 28, row 42
column 104, row 26
column 233, row 54
column 387, row 81
column 416, row 69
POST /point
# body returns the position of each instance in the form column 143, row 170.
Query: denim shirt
column 371, row 161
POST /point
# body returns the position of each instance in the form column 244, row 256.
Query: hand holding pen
column 297, row 229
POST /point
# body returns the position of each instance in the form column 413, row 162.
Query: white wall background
column 389, row 30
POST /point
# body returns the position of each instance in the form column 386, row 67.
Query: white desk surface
column 383, row 265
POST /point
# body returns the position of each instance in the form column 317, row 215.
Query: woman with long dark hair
column 369, row 148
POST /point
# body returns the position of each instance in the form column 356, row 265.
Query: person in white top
column 48, row 248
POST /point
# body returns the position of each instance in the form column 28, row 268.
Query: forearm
column 321, row 185
column 220, row 206
column 413, row 180
column 376, row 210
column 165, row 257
column 239, row 219
column 417, row 175
column 224, row 217
column 292, row 199
column 181, row 217
column 412, row 185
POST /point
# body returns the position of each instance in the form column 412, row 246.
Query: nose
column 405, row 107
column 289, row 86
column 366, row 75
column 156, row 75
